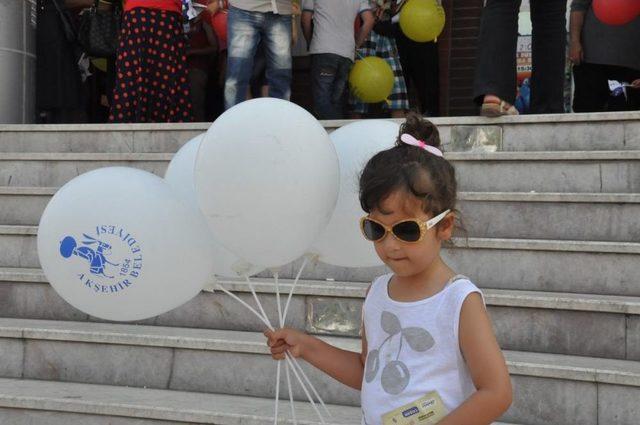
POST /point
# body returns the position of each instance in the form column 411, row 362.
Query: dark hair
column 412, row 169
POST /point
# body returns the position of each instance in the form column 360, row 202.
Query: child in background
column 384, row 47
column 427, row 342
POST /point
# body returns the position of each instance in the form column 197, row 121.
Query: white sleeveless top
column 413, row 349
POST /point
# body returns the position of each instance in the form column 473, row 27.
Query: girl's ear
column 444, row 229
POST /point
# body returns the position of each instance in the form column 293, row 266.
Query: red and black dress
column 151, row 67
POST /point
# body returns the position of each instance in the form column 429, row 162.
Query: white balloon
column 341, row 243
column 119, row 244
column 267, row 179
column 180, row 176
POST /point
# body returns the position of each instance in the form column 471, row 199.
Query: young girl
column 429, row 354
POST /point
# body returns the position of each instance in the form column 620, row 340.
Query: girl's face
column 409, row 259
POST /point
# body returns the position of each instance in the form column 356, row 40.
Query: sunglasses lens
column 408, row 231
column 372, row 230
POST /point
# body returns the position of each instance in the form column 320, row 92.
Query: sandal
column 497, row 108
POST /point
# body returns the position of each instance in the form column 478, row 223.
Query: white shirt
column 413, row 349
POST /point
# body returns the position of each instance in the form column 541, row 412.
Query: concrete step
column 607, row 268
column 63, row 403
column 565, row 216
column 584, row 267
column 561, row 171
column 560, row 323
column 608, row 131
column 573, row 390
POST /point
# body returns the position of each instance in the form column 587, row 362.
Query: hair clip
column 410, row 140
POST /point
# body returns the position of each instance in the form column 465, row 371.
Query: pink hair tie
column 410, row 140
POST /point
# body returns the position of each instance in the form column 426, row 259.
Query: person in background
column 495, row 78
column 152, row 78
column 419, row 64
column 218, row 14
column 384, row 46
column 259, row 86
column 600, row 53
column 249, row 22
column 328, row 29
column 60, row 93
column 200, row 57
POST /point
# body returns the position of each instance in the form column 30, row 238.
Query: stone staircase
column 552, row 208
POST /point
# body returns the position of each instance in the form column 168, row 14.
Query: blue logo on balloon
column 106, row 277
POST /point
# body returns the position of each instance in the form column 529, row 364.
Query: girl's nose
column 390, row 243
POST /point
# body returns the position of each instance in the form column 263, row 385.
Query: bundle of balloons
column 616, row 12
column 254, row 192
column 371, row 78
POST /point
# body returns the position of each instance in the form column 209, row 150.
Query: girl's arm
column 342, row 365
column 487, row 366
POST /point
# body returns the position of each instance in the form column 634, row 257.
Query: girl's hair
column 412, row 169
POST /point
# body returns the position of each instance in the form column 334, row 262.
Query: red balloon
column 616, row 12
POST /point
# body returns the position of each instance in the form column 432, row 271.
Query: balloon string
column 277, row 399
column 286, row 309
column 293, row 408
column 287, row 357
column 281, row 318
column 279, row 364
column 293, row 287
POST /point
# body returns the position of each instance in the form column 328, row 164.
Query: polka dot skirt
column 151, row 74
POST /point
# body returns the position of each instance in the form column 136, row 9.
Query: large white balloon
column 180, row 176
column 119, row 244
column 267, row 179
column 341, row 243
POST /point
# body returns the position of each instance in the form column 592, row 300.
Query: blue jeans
column 329, row 82
column 246, row 29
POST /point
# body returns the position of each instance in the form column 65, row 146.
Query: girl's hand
column 636, row 84
column 283, row 340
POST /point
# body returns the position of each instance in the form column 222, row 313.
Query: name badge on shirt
column 426, row 410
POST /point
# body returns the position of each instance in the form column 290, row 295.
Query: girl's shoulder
column 380, row 281
column 460, row 287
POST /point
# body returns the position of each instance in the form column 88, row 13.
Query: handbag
column 99, row 29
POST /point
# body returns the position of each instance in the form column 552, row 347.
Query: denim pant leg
column 340, row 96
column 328, row 82
column 497, row 43
column 276, row 36
column 244, row 35
column 549, row 45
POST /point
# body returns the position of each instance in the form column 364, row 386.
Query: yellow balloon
column 100, row 64
column 371, row 79
column 422, row 20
